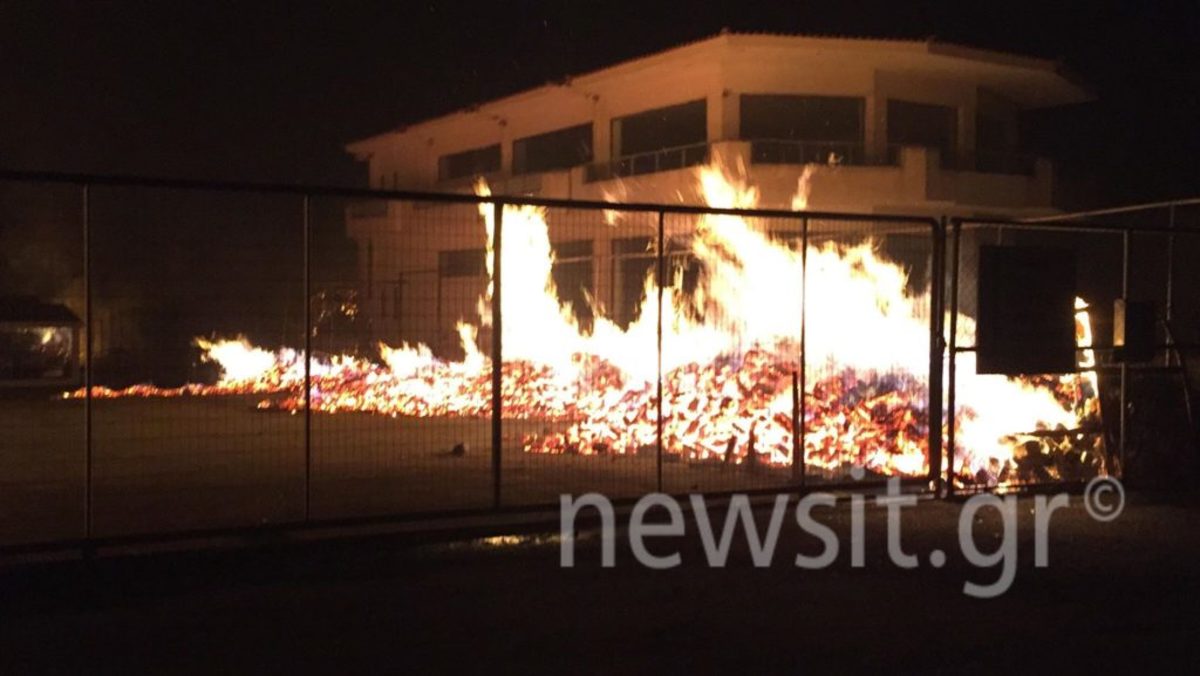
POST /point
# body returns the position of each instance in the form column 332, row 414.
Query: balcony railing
column 796, row 151
column 992, row 162
column 666, row 159
column 522, row 184
column 981, row 161
column 467, row 183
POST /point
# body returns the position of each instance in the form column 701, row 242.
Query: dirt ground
column 1116, row 596
column 199, row 463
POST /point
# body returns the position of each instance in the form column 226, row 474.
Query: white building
column 914, row 127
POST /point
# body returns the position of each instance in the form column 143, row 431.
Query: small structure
column 38, row 343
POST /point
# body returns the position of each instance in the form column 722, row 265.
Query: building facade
column 912, row 127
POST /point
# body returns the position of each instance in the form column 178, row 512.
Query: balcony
column 793, row 151
column 980, row 161
column 468, row 183
column 909, row 175
column 991, row 162
column 666, row 159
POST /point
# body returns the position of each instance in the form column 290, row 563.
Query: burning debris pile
column 729, row 360
column 742, row 413
column 1048, row 453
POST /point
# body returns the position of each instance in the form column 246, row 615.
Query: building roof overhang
column 1029, row 82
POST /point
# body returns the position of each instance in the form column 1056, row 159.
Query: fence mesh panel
column 211, row 311
column 42, row 436
column 1039, row 427
column 580, row 353
column 402, row 423
column 867, row 362
column 171, row 269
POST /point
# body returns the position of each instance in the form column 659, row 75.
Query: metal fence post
column 797, row 445
column 661, row 273
column 937, row 313
column 497, row 348
column 1122, row 421
column 87, row 361
column 1172, row 355
column 952, row 351
column 307, row 239
column 802, row 386
column 1170, row 265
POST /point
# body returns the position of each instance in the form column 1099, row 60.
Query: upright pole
column 1122, row 421
column 1170, row 264
column 937, row 312
column 497, row 348
column 797, row 445
column 307, row 238
column 661, row 272
column 88, row 346
column 802, row 385
column 952, row 337
column 1172, row 354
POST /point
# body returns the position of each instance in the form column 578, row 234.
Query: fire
column 240, row 361
column 730, row 358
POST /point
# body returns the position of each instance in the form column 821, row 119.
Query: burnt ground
column 1122, row 594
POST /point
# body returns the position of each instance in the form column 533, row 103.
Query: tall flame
column 731, row 348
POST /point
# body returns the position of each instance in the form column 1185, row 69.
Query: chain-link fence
column 198, row 358
column 1128, row 395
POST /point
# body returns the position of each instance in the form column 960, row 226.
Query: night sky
column 271, row 91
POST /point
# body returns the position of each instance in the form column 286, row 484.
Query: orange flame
column 731, row 348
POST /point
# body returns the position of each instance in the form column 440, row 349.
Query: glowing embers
column 734, row 413
column 730, row 348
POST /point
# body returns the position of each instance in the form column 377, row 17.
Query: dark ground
column 1116, row 595
column 175, row 464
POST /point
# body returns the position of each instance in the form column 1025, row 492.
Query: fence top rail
column 1133, row 208
column 120, row 181
column 1070, row 226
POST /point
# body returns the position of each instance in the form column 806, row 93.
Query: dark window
column 802, row 118
column 560, row 149
column 923, row 124
column 995, row 146
column 474, row 162
column 662, row 139
column 462, row 263
column 802, row 129
column 671, row 127
column 572, row 274
column 633, row 262
column 993, row 132
column 683, row 268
